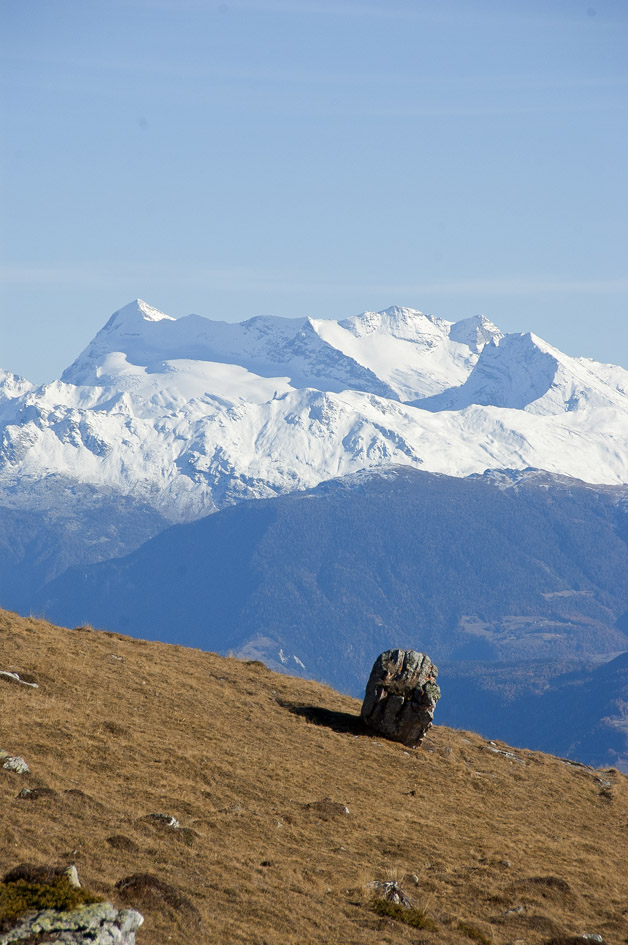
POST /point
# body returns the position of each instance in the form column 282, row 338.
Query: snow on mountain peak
column 12, row 386
column 194, row 414
column 398, row 353
column 408, row 324
column 511, row 371
column 389, row 353
column 475, row 332
column 138, row 310
column 524, row 372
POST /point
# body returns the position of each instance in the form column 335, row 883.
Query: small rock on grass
column 391, row 892
column 164, row 820
column 35, row 794
column 501, row 751
column 170, row 823
column 6, row 676
column 16, row 764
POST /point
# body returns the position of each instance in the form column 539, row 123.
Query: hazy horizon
column 303, row 157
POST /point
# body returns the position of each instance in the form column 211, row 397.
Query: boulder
column 401, row 695
column 96, row 924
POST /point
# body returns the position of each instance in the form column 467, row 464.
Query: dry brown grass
column 256, row 768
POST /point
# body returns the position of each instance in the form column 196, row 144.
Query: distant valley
column 523, row 567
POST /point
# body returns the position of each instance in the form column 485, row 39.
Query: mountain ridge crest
column 193, row 414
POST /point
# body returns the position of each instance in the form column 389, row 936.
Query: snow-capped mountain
column 399, row 354
column 11, row 386
column 190, row 415
column 525, row 373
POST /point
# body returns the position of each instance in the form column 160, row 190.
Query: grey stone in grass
column 165, row 820
column 401, row 696
column 501, row 751
column 35, row 794
column 392, row 892
column 99, row 924
column 16, row 764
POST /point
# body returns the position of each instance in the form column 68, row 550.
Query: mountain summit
column 399, row 353
column 191, row 414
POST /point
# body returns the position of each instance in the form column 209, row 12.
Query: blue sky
column 313, row 157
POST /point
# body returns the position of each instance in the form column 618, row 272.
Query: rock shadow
column 343, row 722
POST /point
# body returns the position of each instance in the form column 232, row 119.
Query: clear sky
column 313, row 157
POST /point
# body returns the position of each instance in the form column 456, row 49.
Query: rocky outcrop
column 401, row 695
column 98, row 924
column 47, row 905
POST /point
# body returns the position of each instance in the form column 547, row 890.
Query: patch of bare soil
column 280, row 809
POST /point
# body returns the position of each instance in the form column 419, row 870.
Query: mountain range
column 190, row 415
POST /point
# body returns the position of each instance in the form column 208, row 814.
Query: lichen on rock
column 98, row 924
column 16, row 764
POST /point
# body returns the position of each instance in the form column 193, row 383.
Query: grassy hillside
column 258, row 769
